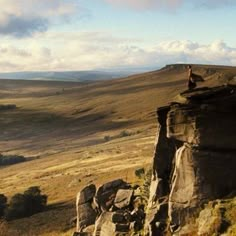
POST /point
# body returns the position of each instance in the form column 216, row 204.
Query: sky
column 62, row 35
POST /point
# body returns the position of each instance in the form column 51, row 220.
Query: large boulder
column 86, row 194
column 86, row 213
column 106, row 193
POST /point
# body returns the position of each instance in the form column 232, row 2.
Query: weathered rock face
column 194, row 157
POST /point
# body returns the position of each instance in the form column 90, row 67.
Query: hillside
column 61, row 127
column 75, row 76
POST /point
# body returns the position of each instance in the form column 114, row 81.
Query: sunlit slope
column 73, row 133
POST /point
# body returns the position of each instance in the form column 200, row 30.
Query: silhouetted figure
column 193, row 79
column 191, row 83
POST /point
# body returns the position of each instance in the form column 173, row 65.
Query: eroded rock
column 195, row 152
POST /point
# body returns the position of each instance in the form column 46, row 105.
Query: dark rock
column 162, row 166
column 86, row 194
column 86, row 216
column 106, row 193
column 127, row 216
column 122, row 227
column 118, row 217
column 139, row 172
column 156, row 218
column 136, row 186
column 138, row 217
column 81, row 234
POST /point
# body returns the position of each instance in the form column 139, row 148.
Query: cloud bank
column 96, row 50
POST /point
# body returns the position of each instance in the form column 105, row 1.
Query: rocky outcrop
column 112, row 209
column 194, row 155
column 86, row 213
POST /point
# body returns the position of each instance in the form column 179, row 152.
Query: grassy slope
column 63, row 126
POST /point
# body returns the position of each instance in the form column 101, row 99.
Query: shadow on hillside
column 30, row 124
column 58, row 206
column 56, row 218
column 138, row 88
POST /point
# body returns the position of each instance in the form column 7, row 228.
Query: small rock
column 118, row 218
column 81, row 234
column 122, row 227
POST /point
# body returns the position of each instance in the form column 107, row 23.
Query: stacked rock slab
column 194, row 158
column 111, row 210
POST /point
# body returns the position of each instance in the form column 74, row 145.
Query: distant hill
column 77, row 76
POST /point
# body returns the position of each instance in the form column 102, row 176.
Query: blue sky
column 115, row 34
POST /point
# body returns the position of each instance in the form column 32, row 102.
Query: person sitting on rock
column 191, row 83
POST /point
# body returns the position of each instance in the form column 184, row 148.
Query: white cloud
column 13, row 51
column 43, row 8
column 94, row 50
